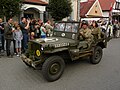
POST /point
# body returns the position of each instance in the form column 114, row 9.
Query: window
column 59, row 26
column 117, row 6
column 27, row 15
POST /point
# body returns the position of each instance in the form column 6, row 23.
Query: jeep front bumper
column 27, row 60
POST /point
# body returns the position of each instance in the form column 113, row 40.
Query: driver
column 86, row 37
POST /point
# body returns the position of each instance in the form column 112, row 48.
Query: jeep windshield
column 66, row 29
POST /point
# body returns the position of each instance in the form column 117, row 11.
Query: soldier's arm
column 88, row 34
column 99, row 33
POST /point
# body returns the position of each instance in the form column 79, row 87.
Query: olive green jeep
column 51, row 53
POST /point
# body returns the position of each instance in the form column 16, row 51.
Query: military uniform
column 86, row 38
column 96, row 32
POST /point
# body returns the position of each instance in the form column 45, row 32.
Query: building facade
column 110, row 9
column 116, row 11
column 34, row 9
column 74, row 14
column 37, row 8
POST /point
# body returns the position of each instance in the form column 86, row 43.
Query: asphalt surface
column 79, row 75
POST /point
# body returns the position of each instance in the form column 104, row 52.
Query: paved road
column 15, row 75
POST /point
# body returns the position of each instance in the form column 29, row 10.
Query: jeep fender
column 102, row 44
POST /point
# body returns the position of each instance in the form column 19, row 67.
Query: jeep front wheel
column 97, row 55
column 53, row 68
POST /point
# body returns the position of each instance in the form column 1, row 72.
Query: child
column 32, row 36
column 18, row 37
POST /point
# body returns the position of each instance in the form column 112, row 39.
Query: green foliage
column 60, row 9
column 10, row 8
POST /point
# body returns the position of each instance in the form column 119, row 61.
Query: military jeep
column 51, row 53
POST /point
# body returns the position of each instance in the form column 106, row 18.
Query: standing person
column 119, row 30
column 37, row 31
column 49, row 28
column 18, row 37
column 2, row 33
column 15, row 24
column 43, row 31
column 110, row 29
column 8, row 34
column 117, row 25
column 24, row 25
column 115, row 29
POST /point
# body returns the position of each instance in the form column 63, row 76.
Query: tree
column 60, row 9
column 10, row 8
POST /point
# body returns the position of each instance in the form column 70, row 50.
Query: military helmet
column 84, row 22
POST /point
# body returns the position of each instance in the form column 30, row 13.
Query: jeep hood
column 55, row 41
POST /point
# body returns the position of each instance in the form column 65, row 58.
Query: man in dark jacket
column 8, row 34
column 24, row 25
column 1, row 34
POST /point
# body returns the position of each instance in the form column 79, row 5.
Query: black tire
column 53, row 68
column 97, row 55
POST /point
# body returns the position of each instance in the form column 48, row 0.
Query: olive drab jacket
column 8, row 32
column 87, row 35
column 96, row 33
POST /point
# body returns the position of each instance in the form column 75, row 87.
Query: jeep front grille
column 32, row 47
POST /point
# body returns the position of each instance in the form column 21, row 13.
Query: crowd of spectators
column 110, row 28
column 19, row 33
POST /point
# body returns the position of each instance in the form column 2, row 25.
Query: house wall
column 35, row 13
column 37, row 10
column 105, row 14
column 46, row 0
column 40, row 8
column 74, row 12
column 95, row 10
column 83, row 0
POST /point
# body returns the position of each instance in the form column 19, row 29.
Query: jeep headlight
column 38, row 53
column 42, row 48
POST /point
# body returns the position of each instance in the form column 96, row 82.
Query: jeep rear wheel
column 53, row 68
column 97, row 55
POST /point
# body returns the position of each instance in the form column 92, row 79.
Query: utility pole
column 78, row 10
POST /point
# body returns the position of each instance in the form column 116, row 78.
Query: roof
column 85, row 7
column 95, row 10
column 38, row 2
column 106, row 4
